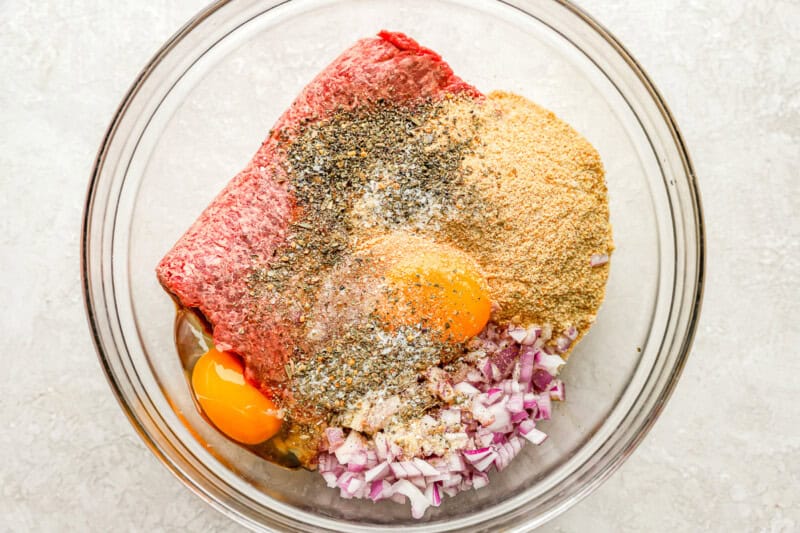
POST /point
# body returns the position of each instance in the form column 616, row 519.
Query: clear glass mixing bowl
column 200, row 109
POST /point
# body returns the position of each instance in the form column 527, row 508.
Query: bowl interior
column 203, row 113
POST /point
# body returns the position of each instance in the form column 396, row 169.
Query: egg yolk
column 237, row 408
column 438, row 288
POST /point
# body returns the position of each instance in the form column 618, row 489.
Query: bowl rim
column 685, row 344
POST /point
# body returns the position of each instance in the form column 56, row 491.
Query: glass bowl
column 200, row 109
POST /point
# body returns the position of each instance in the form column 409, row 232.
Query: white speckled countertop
column 725, row 455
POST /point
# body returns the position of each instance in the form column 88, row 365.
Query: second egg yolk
column 438, row 288
column 237, row 408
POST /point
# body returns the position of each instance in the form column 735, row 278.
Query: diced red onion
column 598, row 259
column 545, row 406
column 379, row 489
column 535, row 436
column 532, row 334
column 335, row 438
column 358, row 458
column 353, row 445
column 502, row 459
column 378, row 472
column 492, row 395
column 419, row 482
column 432, row 493
column 394, row 451
column 515, row 403
column 485, row 439
column 456, row 463
column 330, row 478
column 381, row 446
column 526, row 425
column 557, row 391
column 466, row 389
column 502, row 418
column 482, row 414
column 344, row 480
column 551, row 363
column 526, row 358
column 515, row 443
column 508, row 389
column 479, row 480
column 529, row 400
column 571, row 333
column 419, row 503
column 541, row 379
column 486, row 368
column 505, row 359
column 517, row 333
column 398, row 470
column 425, row 467
column 563, row 343
column 454, row 481
column 519, row 417
column 473, row 456
column 486, row 462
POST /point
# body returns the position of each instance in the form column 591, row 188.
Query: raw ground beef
column 208, row 268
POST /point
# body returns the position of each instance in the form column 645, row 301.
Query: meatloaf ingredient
column 237, row 408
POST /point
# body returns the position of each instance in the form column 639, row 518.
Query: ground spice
column 358, row 173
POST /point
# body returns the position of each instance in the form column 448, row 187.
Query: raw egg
column 237, row 408
column 436, row 287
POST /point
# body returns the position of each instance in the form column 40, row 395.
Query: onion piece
column 419, row 503
column 545, row 407
column 473, row 456
column 517, row 333
column 482, row 414
column 335, row 438
column 515, row 403
column 378, row 472
column 535, row 436
column 379, row 489
column 557, row 391
column 466, row 389
column 432, row 493
column 541, row 379
column 455, row 463
column 516, row 418
column 526, row 360
column 563, row 343
column 425, row 467
column 531, row 336
column 479, row 480
column 551, row 363
column 571, row 333
column 353, row 445
column 501, row 415
column 486, row 462
column 331, row 479
column 598, row 259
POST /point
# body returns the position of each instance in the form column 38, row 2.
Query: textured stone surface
column 725, row 455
